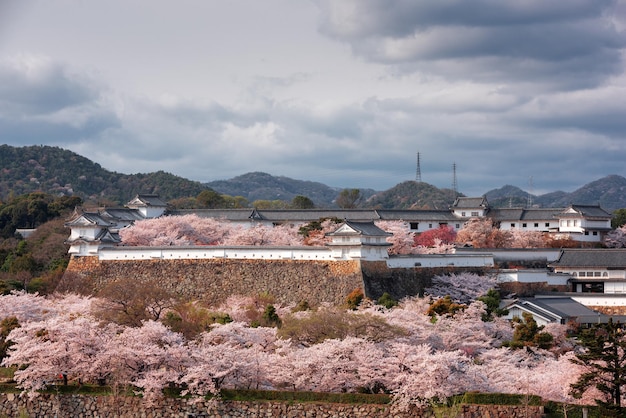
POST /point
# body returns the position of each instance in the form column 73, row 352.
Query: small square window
column 595, row 232
column 547, row 224
column 462, row 213
column 414, row 226
column 524, row 225
column 512, row 225
column 536, row 224
column 430, row 225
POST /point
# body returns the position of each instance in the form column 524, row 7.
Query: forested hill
column 608, row 192
column 57, row 171
column 262, row 186
column 413, row 195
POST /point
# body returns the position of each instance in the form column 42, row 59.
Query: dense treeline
column 35, row 263
column 58, row 171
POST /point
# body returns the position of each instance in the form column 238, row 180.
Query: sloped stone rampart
column 289, row 281
column 213, row 280
column 85, row 406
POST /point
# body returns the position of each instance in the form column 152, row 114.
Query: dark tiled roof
column 89, row 219
column 470, row 202
column 587, row 211
column 559, row 308
column 600, row 257
column 147, row 200
column 363, row 228
column 523, row 214
column 418, row 215
column 228, row 214
column 123, row 214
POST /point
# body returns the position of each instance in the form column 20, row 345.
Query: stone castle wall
column 85, row 406
column 288, row 281
column 213, row 280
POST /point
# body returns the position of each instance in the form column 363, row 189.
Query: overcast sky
column 530, row 93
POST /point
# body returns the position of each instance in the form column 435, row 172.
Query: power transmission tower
column 418, row 171
column 455, row 185
column 530, row 192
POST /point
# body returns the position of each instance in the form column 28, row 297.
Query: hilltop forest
column 59, row 172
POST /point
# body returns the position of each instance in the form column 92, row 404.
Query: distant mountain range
column 61, row 172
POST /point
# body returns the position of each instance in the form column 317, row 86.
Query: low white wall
column 533, row 276
column 440, row 260
column 514, row 254
column 207, row 252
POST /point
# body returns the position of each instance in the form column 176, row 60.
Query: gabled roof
column 359, row 228
column 144, row 200
column 105, row 236
column 89, row 219
column 558, row 309
column 122, row 214
column 588, row 211
column 470, row 202
column 614, row 258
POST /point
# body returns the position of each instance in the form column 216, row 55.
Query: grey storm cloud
column 484, row 40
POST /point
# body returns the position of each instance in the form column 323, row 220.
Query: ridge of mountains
column 59, row 172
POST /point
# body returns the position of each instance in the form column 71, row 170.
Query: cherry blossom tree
column 527, row 239
column 616, row 238
column 399, row 350
column 462, row 287
column 175, row 230
column 445, row 234
column 481, row 233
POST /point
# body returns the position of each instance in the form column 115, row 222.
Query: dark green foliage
column 387, row 301
column 528, row 334
column 305, row 230
column 302, row 202
column 604, row 357
column 492, row 302
column 270, row 317
column 32, row 210
column 619, row 218
column 6, row 325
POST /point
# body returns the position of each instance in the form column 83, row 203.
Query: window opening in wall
column 512, row 225
column 547, row 224
column 474, row 213
column 595, row 232
column 536, row 224
column 593, row 287
column 462, row 213
column 430, row 225
column 414, row 226
column 524, row 225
